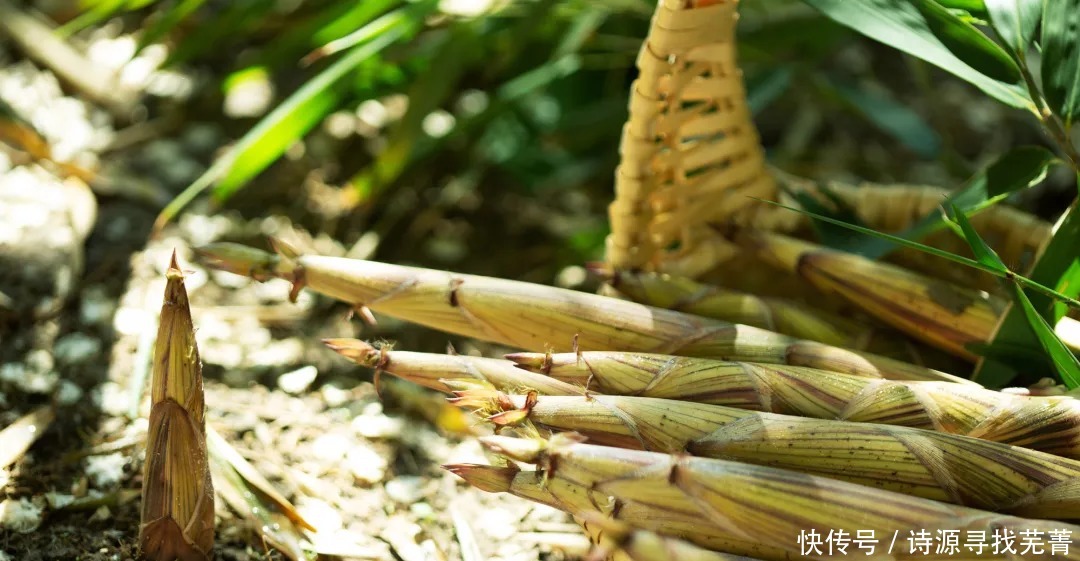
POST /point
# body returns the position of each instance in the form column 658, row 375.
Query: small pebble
column 132, row 321
column 40, row 360
column 377, row 426
column 365, row 465
column 58, row 500
column 20, row 515
column 112, row 398
column 201, row 229
column 95, row 307
column 106, row 471
column 229, row 280
column 571, row 277
column 423, row 511
column 284, row 351
column 298, row 381
column 405, row 489
column 76, row 348
column 29, row 380
column 227, row 355
column 320, row 514
column 331, row 446
column 101, row 514
column 334, row 396
column 497, row 523
column 69, row 393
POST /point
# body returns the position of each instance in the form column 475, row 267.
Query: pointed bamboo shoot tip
column 509, row 418
column 238, row 259
column 355, row 350
column 283, row 248
column 486, row 478
column 533, row 362
column 174, row 272
column 519, row 449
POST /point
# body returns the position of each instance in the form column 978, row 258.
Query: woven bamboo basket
column 692, row 166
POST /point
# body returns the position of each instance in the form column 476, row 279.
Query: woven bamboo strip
column 689, row 140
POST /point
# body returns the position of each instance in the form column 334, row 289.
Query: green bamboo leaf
column 1060, row 261
column 291, row 120
column 344, row 18
column 891, row 117
column 349, row 40
column 828, row 234
column 98, row 11
column 1066, row 363
column 968, row 43
column 168, row 20
column 301, row 112
column 1058, row 267
column 1061, row 57
column 452, row 50
column 983, row 253
column 928, row 31
column 236, row 18
column 765, row 88
column 1004, row 360
column 1015, row 21
column 582, row 28
column 974, row 7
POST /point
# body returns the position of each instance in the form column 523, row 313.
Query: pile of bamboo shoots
column 761, row 431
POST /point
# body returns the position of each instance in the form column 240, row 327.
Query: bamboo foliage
column 738, row 508
column 939, row 466
column 539, row 318
column 178, row 495
column 1047, row 423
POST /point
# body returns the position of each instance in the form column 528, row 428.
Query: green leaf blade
column 168, row 21
column 893, row 118
column 1061, row 57
column 1065, row 362
column 1015, row 21
column 1057, row 267
column 293, row 118
column 983, row 253
column 902, row 25
column 968, row 43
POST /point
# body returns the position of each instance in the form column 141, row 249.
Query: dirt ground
column 365, row 472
